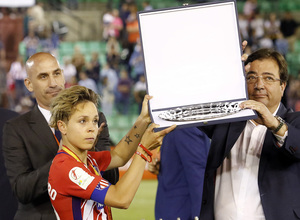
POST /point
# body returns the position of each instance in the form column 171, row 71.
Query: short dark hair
column 267, row 53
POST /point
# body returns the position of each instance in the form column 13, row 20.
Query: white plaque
column 17, row 3
column 192, row 58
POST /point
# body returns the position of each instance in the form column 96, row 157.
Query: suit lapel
column 235, row 131
column 282, row 111
column 42, row 130
column 236, row 128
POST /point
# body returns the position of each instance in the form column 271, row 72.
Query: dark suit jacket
column 29, row 147
column 279, row 168
column 8, row 204
column 180, row 180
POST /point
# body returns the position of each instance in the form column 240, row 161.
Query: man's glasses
column 266, row 79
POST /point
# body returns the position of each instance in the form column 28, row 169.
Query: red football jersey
column 71, row 184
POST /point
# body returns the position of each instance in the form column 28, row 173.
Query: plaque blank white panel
column 17, row 3
column 192, row 55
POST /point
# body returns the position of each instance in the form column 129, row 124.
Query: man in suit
column 253, row 167
column 182, row 162
column 29, row 144
column 8, row 206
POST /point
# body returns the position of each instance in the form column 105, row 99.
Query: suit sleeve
column 291, row 144
column 208, row 130
column 27, row 183
column 193, row 147
column 104, row 143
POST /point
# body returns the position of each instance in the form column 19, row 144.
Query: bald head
column 44, row 78
column 36, row 60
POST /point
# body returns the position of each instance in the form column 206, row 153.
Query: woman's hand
column 151, row 139
column 145, row 109
column 154, row 166
column 144, row 115
column 245, row 56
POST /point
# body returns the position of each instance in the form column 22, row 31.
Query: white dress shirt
column 47, row 114
column 236, row 192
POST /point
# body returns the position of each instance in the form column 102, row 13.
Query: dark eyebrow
column 87, row 116
column 267, row 73
column 42, row 73
column 58, row 69
column 264, row 73
column 251, row 72
column 45, row 73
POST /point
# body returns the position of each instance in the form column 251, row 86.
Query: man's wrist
column 280, row 125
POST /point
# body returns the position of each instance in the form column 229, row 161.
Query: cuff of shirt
column 281, row 139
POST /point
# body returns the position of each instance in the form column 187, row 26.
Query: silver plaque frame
column 192, row 57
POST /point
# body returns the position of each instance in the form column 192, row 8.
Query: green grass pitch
column 142, row 206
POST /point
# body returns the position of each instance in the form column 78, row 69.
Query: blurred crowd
column 280, row 32
column 120, row 80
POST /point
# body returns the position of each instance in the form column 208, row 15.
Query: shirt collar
column 46, row 113
column 275, row 113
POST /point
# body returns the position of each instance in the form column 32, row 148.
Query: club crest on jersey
column 78, row 176
column 102, row 184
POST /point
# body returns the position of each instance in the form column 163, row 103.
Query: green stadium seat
column 265, row 6
column 297, row 46
column 94, row 46
column 66, row 47
column 289, row 5
column 292, row 5
column 103, row 47
column 293, row 60
column 22, row 49
column 240, row 6
column 83, row 46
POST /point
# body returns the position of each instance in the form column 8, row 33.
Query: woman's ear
column 62, row 127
